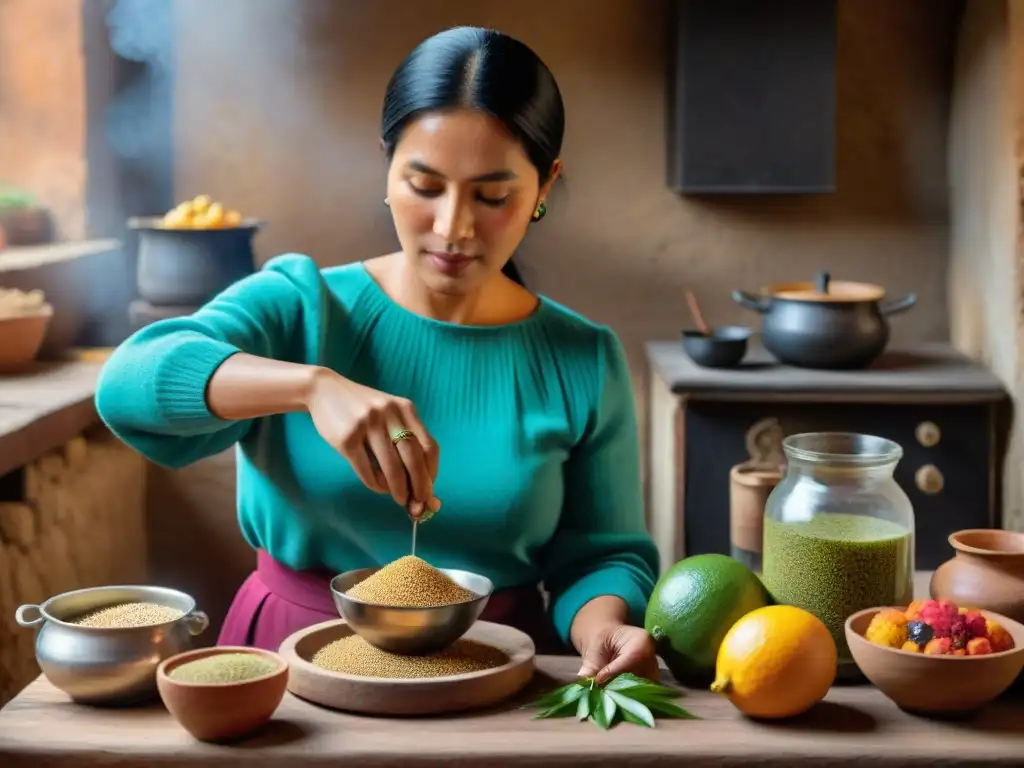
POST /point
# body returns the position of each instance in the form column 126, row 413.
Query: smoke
column 141, row 31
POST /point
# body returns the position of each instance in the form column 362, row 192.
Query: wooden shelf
column 44, row 408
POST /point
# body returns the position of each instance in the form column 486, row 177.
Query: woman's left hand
column 617, row 648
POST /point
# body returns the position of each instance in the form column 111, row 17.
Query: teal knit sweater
column 539, row 473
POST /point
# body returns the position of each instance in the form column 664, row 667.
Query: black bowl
column 724, row 347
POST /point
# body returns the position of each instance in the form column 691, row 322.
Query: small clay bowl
column 222, row 712
column 936, row 685
column 724, row 347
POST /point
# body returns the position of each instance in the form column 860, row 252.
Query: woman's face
column 462, row 192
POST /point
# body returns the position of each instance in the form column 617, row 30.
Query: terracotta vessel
column 987, row 572
column 222, row 712
column 935, row 685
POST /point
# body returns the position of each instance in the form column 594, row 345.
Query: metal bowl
column 113, row 666
column 411, row 631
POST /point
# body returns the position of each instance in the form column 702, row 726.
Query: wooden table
column 854, row 725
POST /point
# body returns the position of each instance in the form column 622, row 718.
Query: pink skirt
column 276, row 601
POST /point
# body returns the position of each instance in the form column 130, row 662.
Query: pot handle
column 750, row 301
column 21, row 616
column 196, row 622
column 822, row 280
column 895, row 306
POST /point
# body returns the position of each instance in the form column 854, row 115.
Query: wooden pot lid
column 419, row 696
column 838, row 291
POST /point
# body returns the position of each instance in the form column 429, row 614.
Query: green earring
column 541, row 211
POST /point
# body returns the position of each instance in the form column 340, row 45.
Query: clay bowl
column 935, row 685
column 412, row 631
column 21, row 338
column 222, row 712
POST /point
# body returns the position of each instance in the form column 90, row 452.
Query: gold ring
column 399, row 435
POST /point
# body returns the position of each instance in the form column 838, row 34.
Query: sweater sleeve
column 602, row 546
column 152, row 390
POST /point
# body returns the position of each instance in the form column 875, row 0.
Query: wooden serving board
column 423, row 696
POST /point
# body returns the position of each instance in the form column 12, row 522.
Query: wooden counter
column 853, row 726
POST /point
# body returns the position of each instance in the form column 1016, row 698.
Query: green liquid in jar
column 837, row 564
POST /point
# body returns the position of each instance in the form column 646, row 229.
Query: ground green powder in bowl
column 223, row 668
column 837, row 564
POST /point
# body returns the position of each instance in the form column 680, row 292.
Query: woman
column 359, row 395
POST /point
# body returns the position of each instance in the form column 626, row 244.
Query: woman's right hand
column 359, row 423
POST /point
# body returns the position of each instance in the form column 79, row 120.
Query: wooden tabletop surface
column 854, row 725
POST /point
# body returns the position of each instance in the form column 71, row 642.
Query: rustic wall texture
column 42, row 105
column 292, row 136
column 986, row 278
column 76, row 520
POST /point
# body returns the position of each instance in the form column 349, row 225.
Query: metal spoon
column 426, row 514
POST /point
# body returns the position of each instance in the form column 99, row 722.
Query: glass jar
column 839, row 530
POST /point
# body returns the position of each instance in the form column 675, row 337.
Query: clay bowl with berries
column 933, row 658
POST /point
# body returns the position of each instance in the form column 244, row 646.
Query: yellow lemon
column 776, row 662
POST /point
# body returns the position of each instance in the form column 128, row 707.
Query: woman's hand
column 615, row 649
column 359, row 422
column 608, row 645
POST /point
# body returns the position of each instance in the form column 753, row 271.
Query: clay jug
column 987, row 572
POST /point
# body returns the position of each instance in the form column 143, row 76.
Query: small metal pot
column 824, row 324
column 108, row 666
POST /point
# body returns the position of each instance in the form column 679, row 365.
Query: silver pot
column 108, row 666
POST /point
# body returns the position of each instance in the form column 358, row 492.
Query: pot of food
column 102, row 645
column 825, row 324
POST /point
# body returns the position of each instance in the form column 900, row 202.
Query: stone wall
column 74, row 518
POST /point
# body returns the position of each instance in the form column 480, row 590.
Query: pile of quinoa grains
column 410, row 582
column 353, row 655
column 127, row 615
column 223, row 668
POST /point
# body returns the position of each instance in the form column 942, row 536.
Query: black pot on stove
column 825, row 324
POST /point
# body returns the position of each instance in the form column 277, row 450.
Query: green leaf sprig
column 627, row 697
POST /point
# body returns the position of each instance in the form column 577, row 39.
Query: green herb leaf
column 635, row 699
column 583, row 706
column 567, row 693
column 631, row 707
column 634, row 685
column 564, row 709
column 630, row 718
column 604, row 715
column 668, row 709
column 625, row 680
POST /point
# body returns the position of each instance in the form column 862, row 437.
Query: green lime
column 693, row 605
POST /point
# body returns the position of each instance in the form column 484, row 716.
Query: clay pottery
column 222, row 712
column 986, row 572
column 936, row 685
column 21, row 338
column 27, row 225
